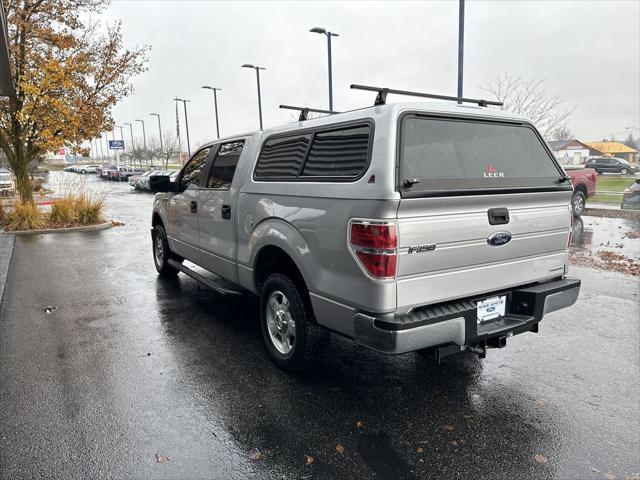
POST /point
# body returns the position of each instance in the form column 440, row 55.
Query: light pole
column 144, row 135
column 133, row 147
column 329, row 35
column 106, row 144
column 121, row 136
column 215, row 106
column 159, row 129
column 101, row 151
column 186, row 122
column 257, row 69
column 460, row 46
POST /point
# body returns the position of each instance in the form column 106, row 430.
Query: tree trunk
column 23, row 183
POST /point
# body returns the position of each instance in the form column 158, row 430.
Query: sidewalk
column 6, row 248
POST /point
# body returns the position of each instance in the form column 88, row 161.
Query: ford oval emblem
column 498, row 239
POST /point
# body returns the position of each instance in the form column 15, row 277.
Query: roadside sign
column 116, row 144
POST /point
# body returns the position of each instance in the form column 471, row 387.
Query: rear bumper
column 455, row 324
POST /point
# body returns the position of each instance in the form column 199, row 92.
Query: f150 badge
column 499, row 238
column 422, row 248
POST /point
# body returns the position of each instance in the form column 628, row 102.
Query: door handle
column 194, row 207
column 498, row 216
column 226, row 212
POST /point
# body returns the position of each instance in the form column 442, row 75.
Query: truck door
column 182, row 208
column 216, row 212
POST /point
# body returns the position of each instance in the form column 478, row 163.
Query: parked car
column 84, row 169
column 584, row 186
column 145, row 183
column 70, row 168
column 631, row 196
column 405, row 227
column 7, row 185
column 611, row 165
column 105, row 170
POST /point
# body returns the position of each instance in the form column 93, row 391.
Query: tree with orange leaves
column 68, row 72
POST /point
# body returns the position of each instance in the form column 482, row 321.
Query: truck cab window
column 193, row 169
column 224, row 165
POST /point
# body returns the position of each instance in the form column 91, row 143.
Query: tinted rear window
column 337, row 154
column 455, row 154
column 282, row 157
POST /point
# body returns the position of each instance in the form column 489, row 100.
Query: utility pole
column 460, row 46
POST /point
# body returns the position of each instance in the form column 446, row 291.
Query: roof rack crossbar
column 381, row 98
column 304, row 111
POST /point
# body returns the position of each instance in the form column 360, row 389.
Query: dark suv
column 611, row 165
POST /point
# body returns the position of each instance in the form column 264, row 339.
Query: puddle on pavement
column 594, row 234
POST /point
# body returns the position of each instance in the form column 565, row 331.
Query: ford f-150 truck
column 429, row 227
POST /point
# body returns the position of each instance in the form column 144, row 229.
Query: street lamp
column 144, row 135
column 159, row 129
column 329, row 35
column 133, row 147
column 121, row 136
column 186, row 122
column 257, row 69
column 215, row 106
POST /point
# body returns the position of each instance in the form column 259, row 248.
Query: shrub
column 2, row 212
column 88, row 209
column 62, row 211
column 24, row 216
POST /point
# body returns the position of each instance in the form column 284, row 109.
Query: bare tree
column 562, row 133
column 631, row 141
column 529, row 97
column 170, row 148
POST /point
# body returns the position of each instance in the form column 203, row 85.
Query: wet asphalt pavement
column 131, row 376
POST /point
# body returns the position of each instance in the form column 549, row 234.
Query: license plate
column 491, row 308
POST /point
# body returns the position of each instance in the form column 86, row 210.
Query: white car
column 6, row 182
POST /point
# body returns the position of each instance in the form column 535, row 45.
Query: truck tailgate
column 444, row 251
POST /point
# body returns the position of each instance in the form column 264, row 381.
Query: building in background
column 571, row 152
column 613, row 149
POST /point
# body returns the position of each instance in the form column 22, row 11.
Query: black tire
column 162, row 253
column 83, row 171
column 309, row 337
column 578, row 202
column 624, row 171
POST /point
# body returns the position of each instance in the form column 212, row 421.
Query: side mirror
column 161, row 183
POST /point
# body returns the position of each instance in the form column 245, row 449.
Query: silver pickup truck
column 429, row 227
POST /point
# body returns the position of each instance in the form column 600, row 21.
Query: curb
column 6, row 252
column 86, row 228
column 612, row 213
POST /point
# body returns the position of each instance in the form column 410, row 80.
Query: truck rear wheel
column 162, row 253
column 290, row 334
column 578, row 202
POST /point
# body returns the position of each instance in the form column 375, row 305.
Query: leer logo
column 492, row 173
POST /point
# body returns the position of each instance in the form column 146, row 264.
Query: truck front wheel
column 290, row 334
column 162, row 253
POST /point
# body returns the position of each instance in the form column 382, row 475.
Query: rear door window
column 441, row 154
column 224, row 165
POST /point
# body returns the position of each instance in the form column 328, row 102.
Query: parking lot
column 108, row 371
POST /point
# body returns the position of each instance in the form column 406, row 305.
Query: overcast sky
column 588, row 51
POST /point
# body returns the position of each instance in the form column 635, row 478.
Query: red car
column 584, row 186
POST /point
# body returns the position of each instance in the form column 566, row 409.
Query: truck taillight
column 374, row 244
